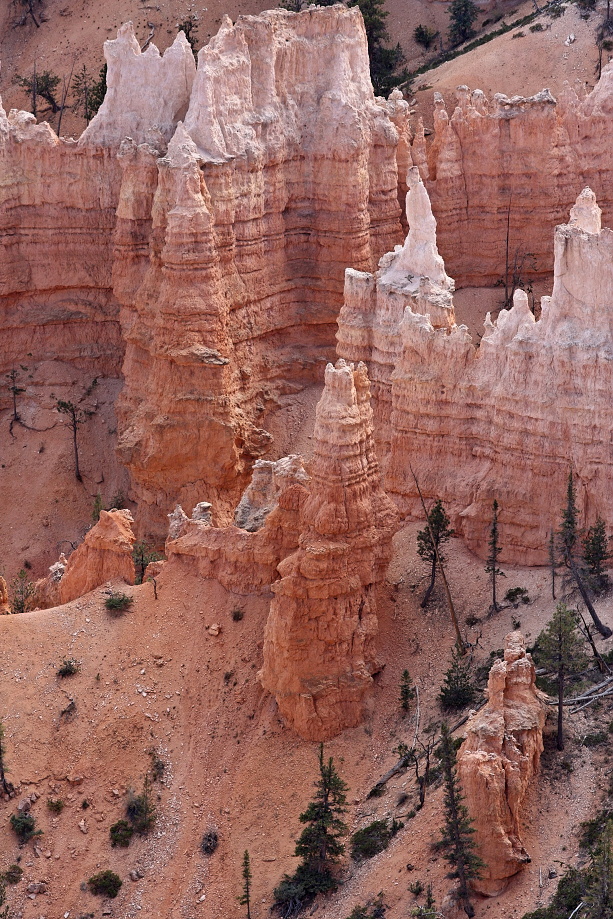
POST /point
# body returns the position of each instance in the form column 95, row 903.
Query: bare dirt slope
column 155, row 679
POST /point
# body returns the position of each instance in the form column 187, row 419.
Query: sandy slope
column 156, row 679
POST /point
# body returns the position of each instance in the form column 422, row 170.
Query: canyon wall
column 498, row 761
column 505, row 420
column 522, row 157
column 213, row 206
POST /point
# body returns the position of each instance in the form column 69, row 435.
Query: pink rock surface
column 505, row 420
column 319, row 642
column 498, row 761
column 104, row 555
column 529, row 155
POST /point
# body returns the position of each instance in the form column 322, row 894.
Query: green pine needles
column 458, row 689
column 457, row 843
column 319, row 845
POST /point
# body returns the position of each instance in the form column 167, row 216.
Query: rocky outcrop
column 57, row 212
column 147, row 93
column 243, row 558
column 373, row 308
column 104, row 555
column 516, row 159
column 5, row 609
column 505, row 420
column 319, row 650
column 498, row 761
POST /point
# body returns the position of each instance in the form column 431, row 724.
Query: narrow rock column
column 319, row 650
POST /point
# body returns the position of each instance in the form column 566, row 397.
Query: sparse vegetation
column 458, row 689
column 374, row 909
column 140, row 810
column 374, row 838
column 596, row 552
column 22, row 593
column 41, row 85
column 462, row 15
column 76, row 416
column 143, row 554
column 560, row 648
column 24, row 827
column 430, row 541
column 386, row 63
column 13, row 874
column 98, row 506
column 517, row 595
column 319, row 845
column 118, row 602
column 492, row 559
column 245, row 897
column 237, row 614
column 424, row 36
column 55, row 805
column 210, row 841
column 457, row 843
column 189, row 26
column 68, row 668
column 407, row 691
column 121, row 833
column 105, row 884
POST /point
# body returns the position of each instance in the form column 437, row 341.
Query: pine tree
column 76, row 417
column 492, row 559
column 385, row 62
column 560, row 648
column 22, row 593
column 319, row 844
column 245, row 898
column 595, row 553
column 568, row 538
column 598, row 897
column 457, row 843
column 407, row 690
column 458, row 689
column 552, row 564
column 43, row 84
column 429, row 542
column 462, row 14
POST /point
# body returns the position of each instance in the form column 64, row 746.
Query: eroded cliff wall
column 505, row 420
column 515, row 162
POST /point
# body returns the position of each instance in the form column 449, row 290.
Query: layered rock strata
column 505, row 420
column 498, row 761
column 243, row 557
column 517, row 163
column 104, row 555
column 319, row 650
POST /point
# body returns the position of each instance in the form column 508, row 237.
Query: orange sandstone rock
column 498, row 761
column 505, row 420
column 4, row 598
column 522, row 157
column 319, row 642
column 104, row 555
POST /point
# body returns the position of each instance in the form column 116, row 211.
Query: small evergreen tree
column 407, row 690
column 598, row 896
column 431, row 539
column 43, row 85
column 457, row 843
column 319, row 844
column 424, row 36
column 22, row 593
column 245, row 897
column 15, row 390
column 568, row 537
column 143, row 554
column 492, row 558
column 76, row 416
column 386, row 63
column 98, row 506
column 552, row 564
column 98, row 91
column 462, row 14
column 458, row 689
column 85, row 102
column 189, row 27
column 595, row 553
column 560, row 648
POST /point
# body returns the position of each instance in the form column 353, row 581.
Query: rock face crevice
column 319, row 651
column 524, row 158
column 498, row 761
column 505, row 420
